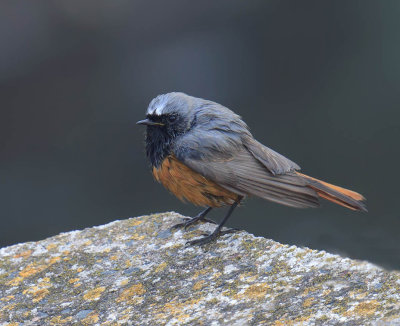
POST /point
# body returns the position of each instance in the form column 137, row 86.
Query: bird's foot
column 207, row 238
column 191, row 221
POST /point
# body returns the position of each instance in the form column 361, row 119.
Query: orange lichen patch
column 256, row 291
column 87, row 243
column 77, row 285
column 124, row 282
column 54, row 260
column 38, row 292
column 161, row 267
column 31, row 270
column 12, row 324
column 66, row 252
column 94, row 294
column 308, row 290
column 136, row 236
column 114, row 257
column 59, row 320
column 30, row 290
column 91, row 319
column 24, row 254
column 45, row 280
column 199, row 285
column 277, row 246
column 357, row 294
column 8, row 307
column 80, row 269
column 136, row 222
column 51, row 246
column 126, row 312
column 176, row 309
column 8, row 298
column 301, row 320
column 200, row 272
column 73, row 280
column 107, row 250
column 15, row 281
column 362, row 295
column 249, row 277
column 128, row 263
column 308, row 302
column 181, row 318
column 366, row 308
column 132, row 294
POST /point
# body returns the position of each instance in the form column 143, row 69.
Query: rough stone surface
column 139, row 272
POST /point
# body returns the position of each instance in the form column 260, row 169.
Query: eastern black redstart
column 203, row 152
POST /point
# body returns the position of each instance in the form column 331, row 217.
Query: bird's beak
column 148, row 122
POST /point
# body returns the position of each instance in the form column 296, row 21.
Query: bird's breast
column 186, row 184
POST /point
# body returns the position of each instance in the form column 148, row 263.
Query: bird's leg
column 217, row 231
column 198, row 217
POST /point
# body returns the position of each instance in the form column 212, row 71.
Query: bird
column 204, row 153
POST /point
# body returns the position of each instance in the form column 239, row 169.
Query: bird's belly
column 189, row 185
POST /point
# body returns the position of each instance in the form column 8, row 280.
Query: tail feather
column 336, row 194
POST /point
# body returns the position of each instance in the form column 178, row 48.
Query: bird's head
column 170, row 114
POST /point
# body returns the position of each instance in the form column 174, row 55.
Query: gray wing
column 273, row 161
column 222, row 130
column 242, row 168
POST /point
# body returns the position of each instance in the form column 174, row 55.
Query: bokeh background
column 317, row 81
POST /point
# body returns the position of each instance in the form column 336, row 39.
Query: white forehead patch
column 158, row 107
column 155, row 110
column 158, row 110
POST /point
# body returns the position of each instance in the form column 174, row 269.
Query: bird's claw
column 190, row 222
column 208, row 220
column 228, row 231
column 203, row 240
column 207, row 237
column 178, row 226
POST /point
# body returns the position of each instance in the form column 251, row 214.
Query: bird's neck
column 158, row 146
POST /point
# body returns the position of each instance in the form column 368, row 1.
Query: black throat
column 158, row 145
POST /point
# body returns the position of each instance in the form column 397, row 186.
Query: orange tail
column 336, row 194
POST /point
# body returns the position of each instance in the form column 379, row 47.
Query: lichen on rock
column 139, row 272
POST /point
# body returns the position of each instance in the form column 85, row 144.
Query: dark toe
column 202, row 241
column 209, row 221
column 178, row 226
column 230, row 230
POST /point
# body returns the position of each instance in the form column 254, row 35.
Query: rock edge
column 138, row 272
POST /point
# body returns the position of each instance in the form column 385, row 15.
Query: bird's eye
column 171, row 118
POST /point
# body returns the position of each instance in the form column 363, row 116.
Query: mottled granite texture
column 138, row 272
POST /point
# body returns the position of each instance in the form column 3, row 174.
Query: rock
column 139, row 272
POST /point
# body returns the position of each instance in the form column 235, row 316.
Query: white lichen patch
column 140, row 272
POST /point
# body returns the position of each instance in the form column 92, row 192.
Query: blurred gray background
column 317, row 81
